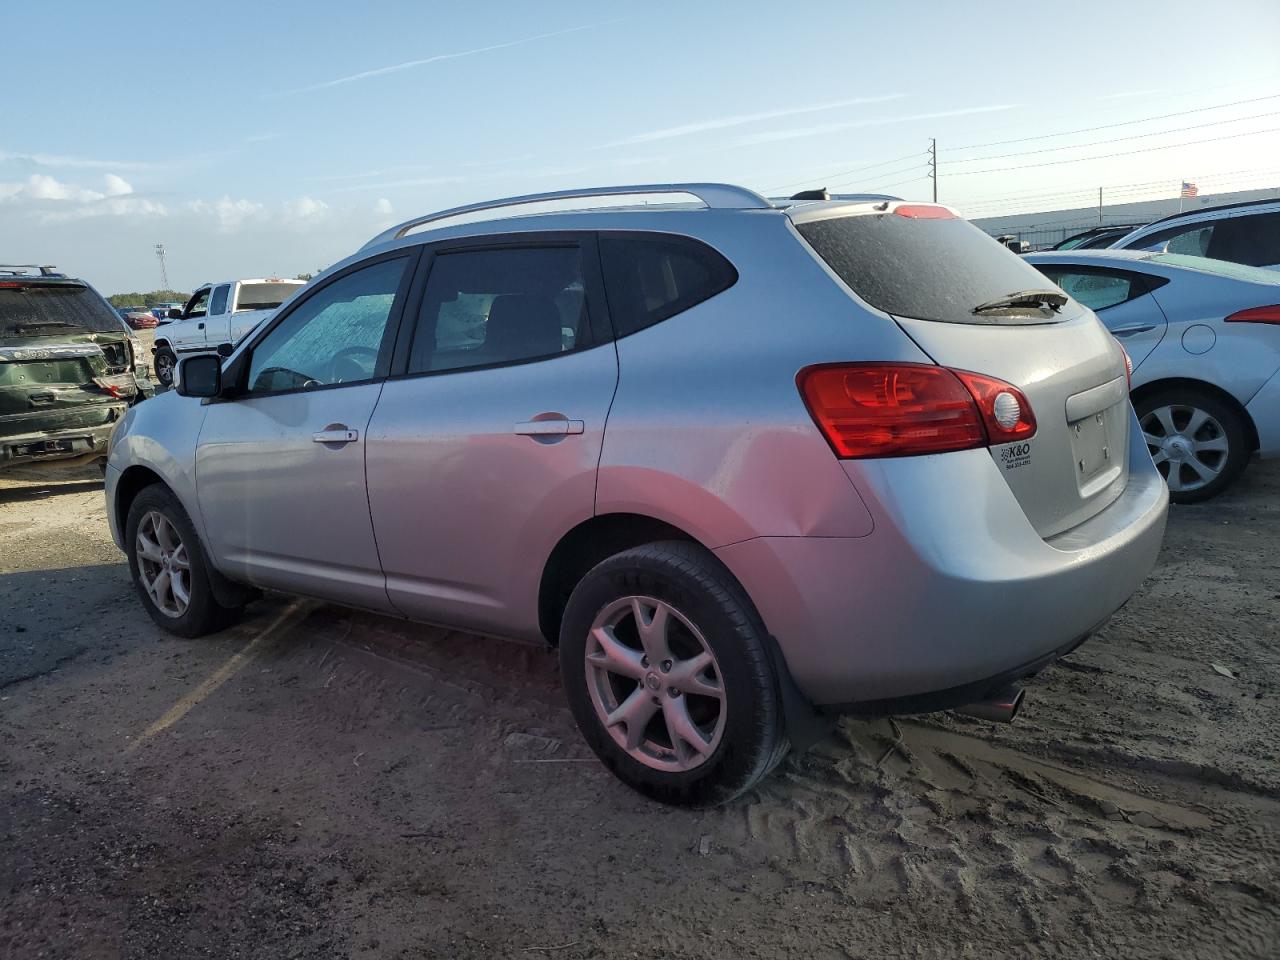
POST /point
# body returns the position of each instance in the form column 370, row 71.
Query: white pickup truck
column 217, row 314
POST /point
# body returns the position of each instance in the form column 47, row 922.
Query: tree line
column 152, row 299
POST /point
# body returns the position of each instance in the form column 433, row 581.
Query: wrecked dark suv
column 69, row 368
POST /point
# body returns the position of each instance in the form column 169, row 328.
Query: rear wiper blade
column 1053, row 299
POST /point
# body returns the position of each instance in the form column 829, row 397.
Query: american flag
column 1189, row 190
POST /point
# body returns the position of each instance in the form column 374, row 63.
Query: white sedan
column 1204, row 339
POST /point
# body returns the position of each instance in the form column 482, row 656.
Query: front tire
column 166, row 363
column 168, row 566
column 668, row 675
column 1198, row 442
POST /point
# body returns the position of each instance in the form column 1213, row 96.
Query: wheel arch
column 132, row 482
column 1190, row 383
column 586, row 545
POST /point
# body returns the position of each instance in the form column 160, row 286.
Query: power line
column 1139, row 194
column 843, row 173
column 1043, row 195
column 1084, row 195
column 881, row 176
column 1136, row 136
column 1123, row 123
column 899, row 183
column 1107, row 156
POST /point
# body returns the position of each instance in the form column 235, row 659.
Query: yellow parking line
column 220, row 676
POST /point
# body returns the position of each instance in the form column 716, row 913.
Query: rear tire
column 709, row 717
column 166, row 362
column 168, row 566
column 1198, row 441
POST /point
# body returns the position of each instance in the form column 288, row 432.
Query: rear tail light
column 907, row 409
column 1128, row 366
column 1269, row 314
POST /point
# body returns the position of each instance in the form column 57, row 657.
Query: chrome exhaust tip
column 1001, row 708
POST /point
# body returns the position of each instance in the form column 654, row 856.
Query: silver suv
column 1247, row 233
column 747, row 464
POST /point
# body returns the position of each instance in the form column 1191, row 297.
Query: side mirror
column 225, row 350
column 174, row 313
column 199, row 376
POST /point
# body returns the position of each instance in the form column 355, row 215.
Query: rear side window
column 1253, row 240
column 1097, row 289
column 649, row 278
column 487, row 307
column 264, row 296
column 926, row 268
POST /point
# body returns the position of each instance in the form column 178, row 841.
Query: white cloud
column 133, row 207
column 41, row 186
column 720, row 123
column 382, row 207
column 305, row 209
column 117, row 186
column 229, row 213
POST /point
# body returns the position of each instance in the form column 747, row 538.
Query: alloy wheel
column 1188, row 445
column 164, row 567
column 655, row 684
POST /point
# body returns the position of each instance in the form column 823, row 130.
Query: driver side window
column 334, row 336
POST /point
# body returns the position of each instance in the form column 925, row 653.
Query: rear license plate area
column 1096, row 460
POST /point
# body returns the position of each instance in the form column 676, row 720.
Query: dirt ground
column 321, row 783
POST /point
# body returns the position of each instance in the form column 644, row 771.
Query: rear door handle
column 548, row 428
column 1136, row 328
column 336, row 435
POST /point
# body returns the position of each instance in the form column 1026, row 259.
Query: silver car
column 1204, row 338
column 746, row 464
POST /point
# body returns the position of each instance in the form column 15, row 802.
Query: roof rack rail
column 717, row 196
column 17, row 269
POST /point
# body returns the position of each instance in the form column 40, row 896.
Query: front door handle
column 336, row 435
column 1136, row 328
column 558, row 427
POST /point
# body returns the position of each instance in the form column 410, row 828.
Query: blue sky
column 258, row 138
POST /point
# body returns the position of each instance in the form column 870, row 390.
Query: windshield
column 265, row 296
column 1223, row 268
column 45, row 309
column 929, row 268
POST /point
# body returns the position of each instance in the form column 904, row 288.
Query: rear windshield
column 1224, row 268
column 45, row 309
column 930, row 269
column 265, row 296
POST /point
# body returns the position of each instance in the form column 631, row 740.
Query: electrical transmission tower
column 164, row 272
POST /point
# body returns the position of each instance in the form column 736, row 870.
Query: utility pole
column 164, row 272
column 933, row 166
column 1099, row 206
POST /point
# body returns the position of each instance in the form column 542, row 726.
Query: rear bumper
column 73, row 444
column 953, row 588
column 1264, row 408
